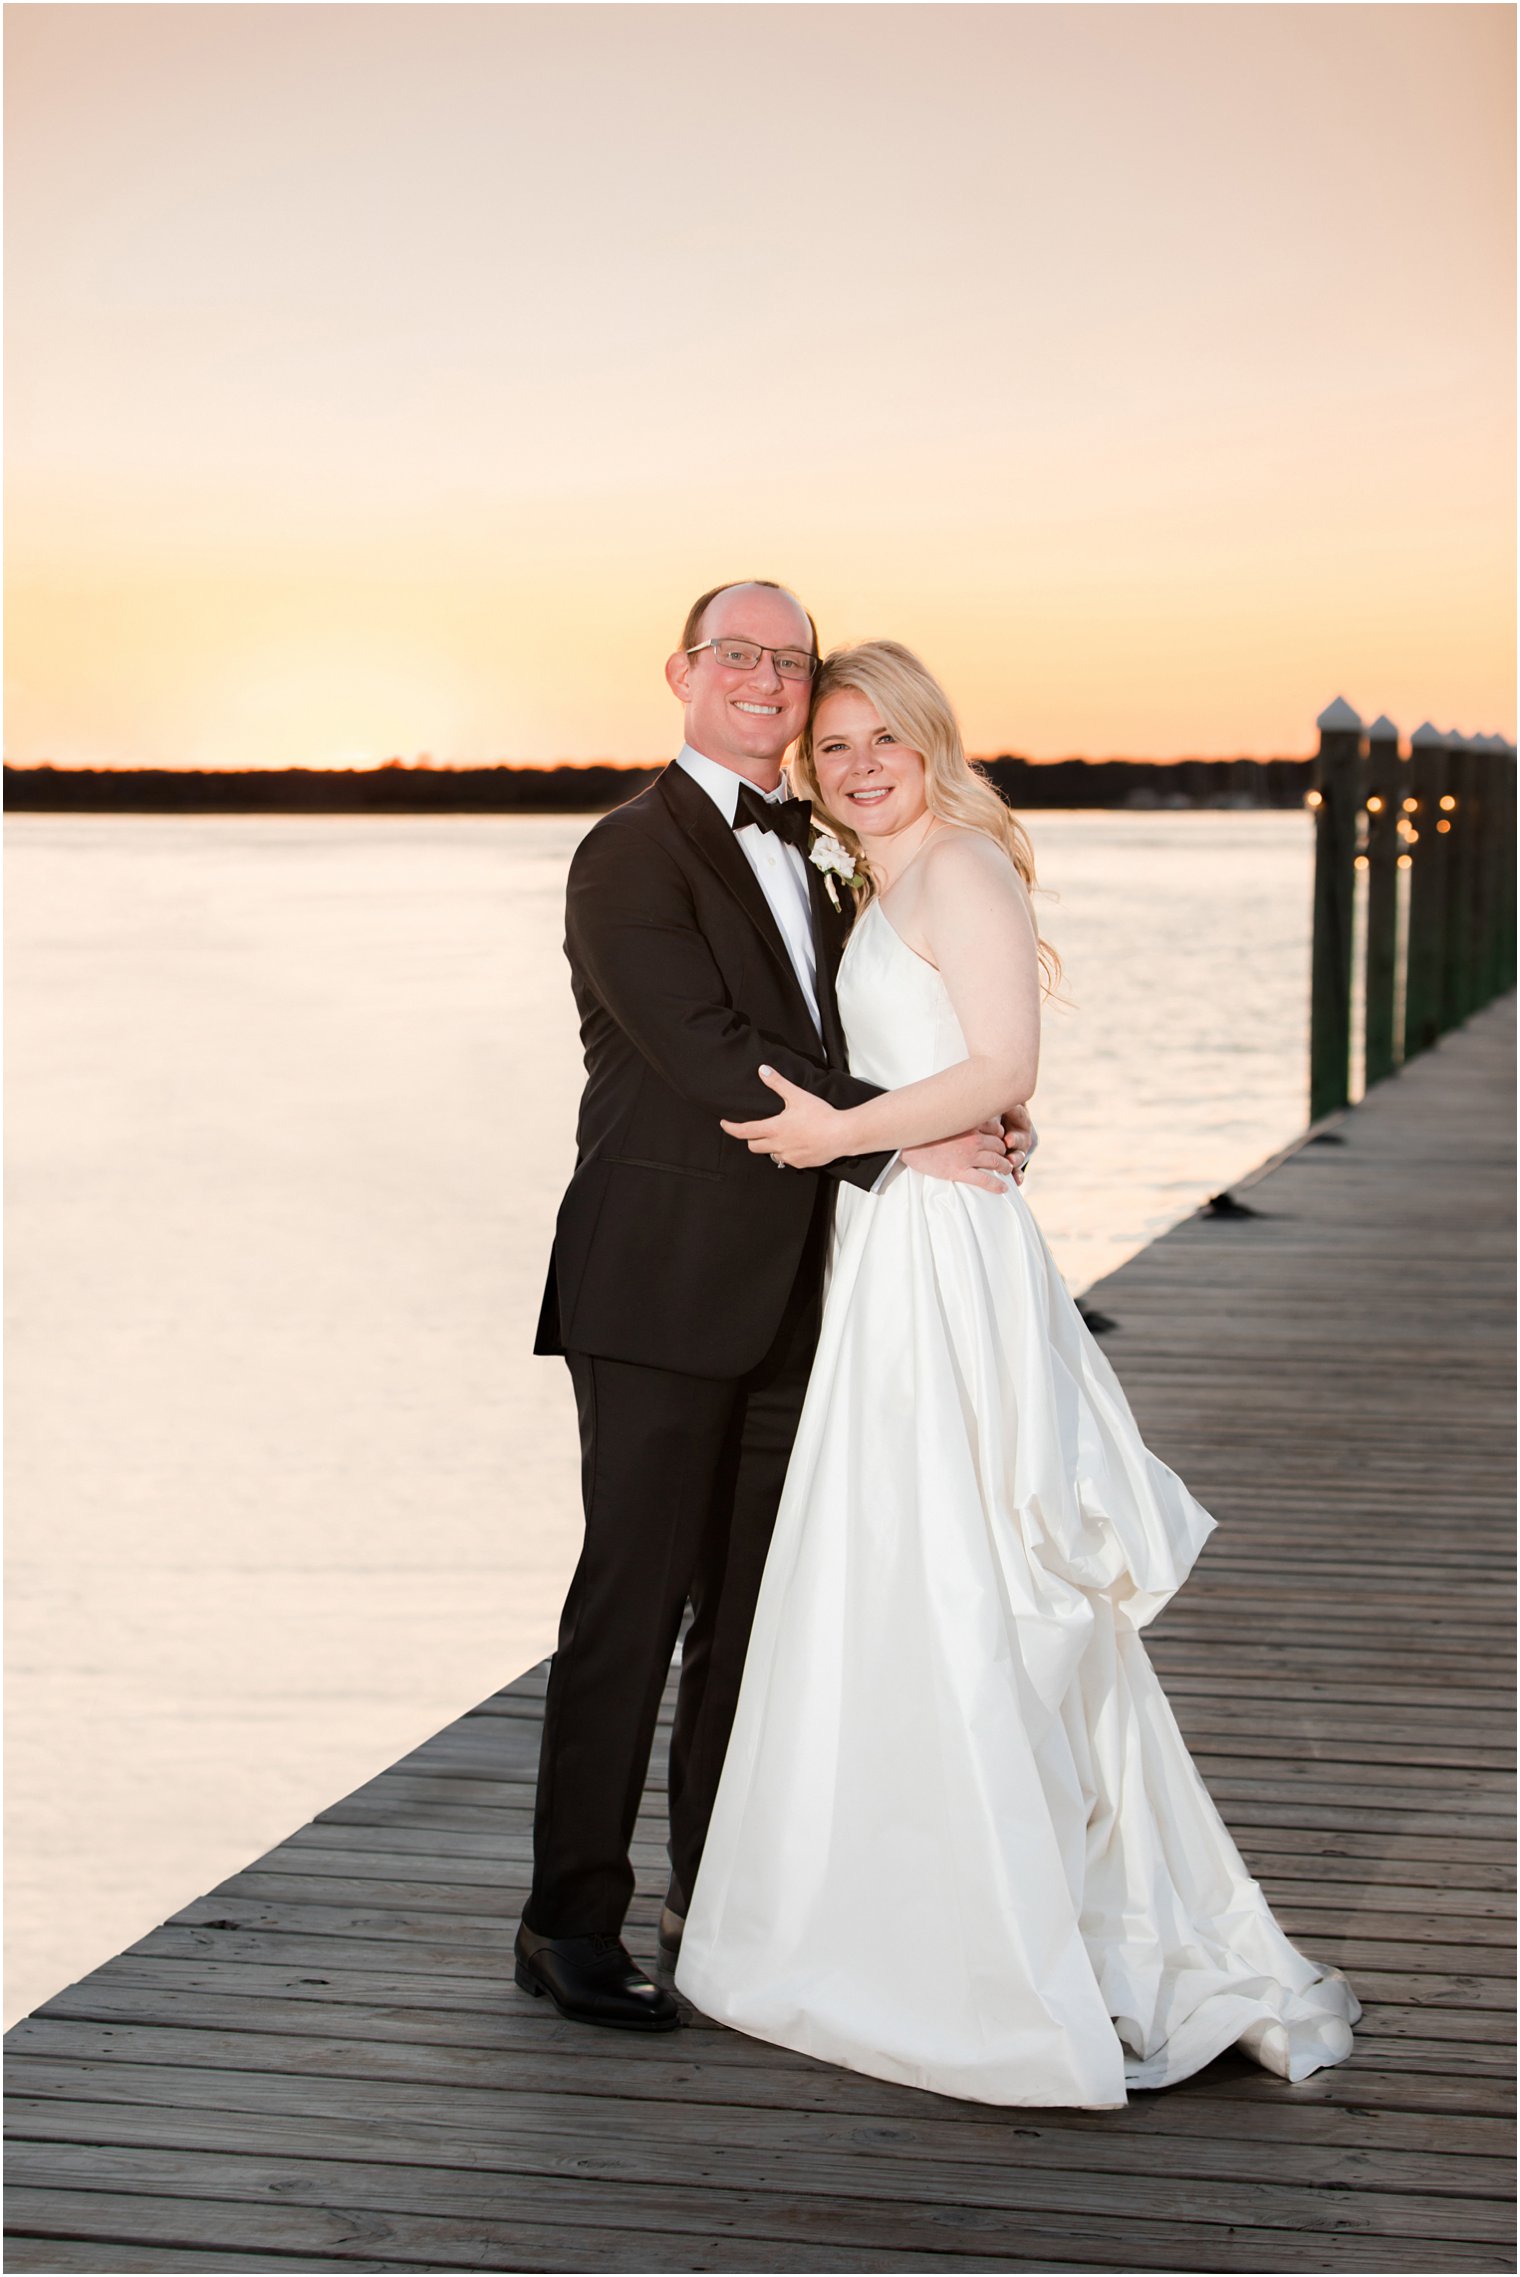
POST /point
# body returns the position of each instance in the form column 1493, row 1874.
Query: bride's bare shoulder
column 957, row 857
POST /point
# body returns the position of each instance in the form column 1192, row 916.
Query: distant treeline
column 397, row 788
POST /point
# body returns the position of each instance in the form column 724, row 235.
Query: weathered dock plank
column 323, row 2064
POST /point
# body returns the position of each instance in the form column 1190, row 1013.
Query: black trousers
column 681, row 1477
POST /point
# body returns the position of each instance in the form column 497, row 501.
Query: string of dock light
column 1406, row 829
column 1316, row 799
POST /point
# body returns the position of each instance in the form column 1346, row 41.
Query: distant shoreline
column 397, row 788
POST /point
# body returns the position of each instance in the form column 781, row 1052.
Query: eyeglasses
column 744, row 655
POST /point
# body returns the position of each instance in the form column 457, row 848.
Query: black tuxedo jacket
column 675, row 1247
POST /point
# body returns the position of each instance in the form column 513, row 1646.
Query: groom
column 686, row 1278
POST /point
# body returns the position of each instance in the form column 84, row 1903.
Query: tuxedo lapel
column 830, row 928
column 714, row 838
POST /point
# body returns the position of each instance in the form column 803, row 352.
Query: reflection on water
column 291, row 1104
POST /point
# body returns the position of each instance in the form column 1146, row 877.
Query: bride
column 959, row 1841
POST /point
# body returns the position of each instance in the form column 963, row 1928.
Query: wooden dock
column 325, row 2065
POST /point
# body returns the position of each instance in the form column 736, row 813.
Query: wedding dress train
column 959, row 1841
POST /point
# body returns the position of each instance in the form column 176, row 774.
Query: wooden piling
column 1501, row 843
column 1456, row 826
column 1334, row 799
column 1384, row 791
column 1505, row 868
column 1423, row 999
column 1484, row 916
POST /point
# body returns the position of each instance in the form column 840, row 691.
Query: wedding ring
column 780, row 1165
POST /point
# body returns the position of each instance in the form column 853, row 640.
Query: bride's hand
column 807, row 1132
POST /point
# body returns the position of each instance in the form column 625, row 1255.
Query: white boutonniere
column 835, row 861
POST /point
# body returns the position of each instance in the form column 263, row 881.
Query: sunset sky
column 387, row 379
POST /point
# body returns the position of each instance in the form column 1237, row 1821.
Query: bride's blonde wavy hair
column 914, row 706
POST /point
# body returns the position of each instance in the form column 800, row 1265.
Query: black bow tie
column 791, row 819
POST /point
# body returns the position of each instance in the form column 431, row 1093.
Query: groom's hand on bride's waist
column 972, row 1158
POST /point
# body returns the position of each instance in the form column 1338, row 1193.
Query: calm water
column 290, row 1107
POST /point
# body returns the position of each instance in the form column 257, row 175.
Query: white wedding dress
column 959, row 1841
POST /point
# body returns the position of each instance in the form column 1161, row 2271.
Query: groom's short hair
column 692, row 629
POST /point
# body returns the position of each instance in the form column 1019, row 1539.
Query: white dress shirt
column 776, row 863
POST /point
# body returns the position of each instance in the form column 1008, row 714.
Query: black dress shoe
column 593, row 1980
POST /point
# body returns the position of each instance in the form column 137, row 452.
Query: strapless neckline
column 899, row 1022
